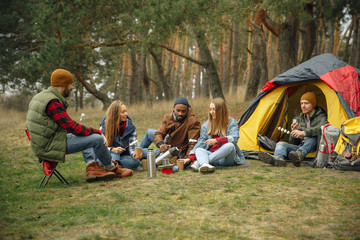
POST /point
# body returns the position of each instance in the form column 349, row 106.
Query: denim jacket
column 232, row 137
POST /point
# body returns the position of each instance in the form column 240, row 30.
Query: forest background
column 142, row 51
column 148, row 52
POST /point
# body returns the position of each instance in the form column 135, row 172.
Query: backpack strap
column 327, row 145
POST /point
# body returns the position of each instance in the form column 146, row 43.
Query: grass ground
column 257, row 202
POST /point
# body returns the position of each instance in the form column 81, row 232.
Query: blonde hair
column 219, row 125
column 112, row 122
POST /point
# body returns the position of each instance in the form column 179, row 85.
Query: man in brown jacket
column 180, row 129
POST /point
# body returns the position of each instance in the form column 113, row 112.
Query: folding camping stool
column 49, row 168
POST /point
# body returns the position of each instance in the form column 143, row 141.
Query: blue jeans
column 224, row 156
column 126, row 160
column 283, row 148
column 146, row 141
column 82, row 143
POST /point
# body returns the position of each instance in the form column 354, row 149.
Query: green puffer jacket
column 48, row 139
column 316, row 121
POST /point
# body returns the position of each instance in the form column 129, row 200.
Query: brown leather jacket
column 179, row 133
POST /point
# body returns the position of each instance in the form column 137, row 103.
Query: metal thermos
column 151, row 167
column 322, row 148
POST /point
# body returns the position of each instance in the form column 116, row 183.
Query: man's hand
column 185, row 160
column 118, row 150
column 295, row 126
column 164, row 147
column 211, row 141
column 297, row 134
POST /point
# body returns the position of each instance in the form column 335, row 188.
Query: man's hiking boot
column 95, row 173
column 296, row 157
column 266, row 158
column 279, row 162
column 270, row 159
column 121, row 172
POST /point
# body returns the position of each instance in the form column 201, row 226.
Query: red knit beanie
column 61, row 77
column 310, row 97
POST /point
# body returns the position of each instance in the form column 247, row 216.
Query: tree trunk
column 133, row 79
column 81, row 97
column 249, row 57
column 92, row 89
column 117, row 78
column 355, row 42
column 185, row 78
column 215, row 86
column 142, row 82
column 168, row 91
column 197, row 79
column 77, row 98
column 258, row 70
column 330, row 36
column 263, row 62
column 288, row 43
column 205, row 90
column 337, row 37
column 357, row 61
column 162, row 83
column 235, row 68
column 256, row 63
column 271, row 55
column 122, row 81
column 308, row 32
column 227, row 64
column 347, row 36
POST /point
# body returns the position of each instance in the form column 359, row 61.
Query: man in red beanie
column 54, row 134
column 304, row 134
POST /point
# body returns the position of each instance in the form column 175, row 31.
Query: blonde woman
column 217, row 145
column 119, row 132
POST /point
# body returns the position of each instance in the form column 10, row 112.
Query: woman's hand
column 211, row 141
column 137, row 157
column 185, row 160
column 118, row 150
column 105, row 140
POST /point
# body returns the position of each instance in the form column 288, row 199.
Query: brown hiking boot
column 270, row 159
column 266, row 158
column 279, row 162
column 122, row 172
column 296, row 157
column 95, row 173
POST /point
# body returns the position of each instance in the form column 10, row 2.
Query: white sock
column 110, row 167
column 89, row 162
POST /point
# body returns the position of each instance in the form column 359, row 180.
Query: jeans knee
column 280, row 145
column 199, row 150
column 98, row 139
column 229, row 146
column 150, row 132
column 133, row 163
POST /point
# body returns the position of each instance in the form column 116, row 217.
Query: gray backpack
column 341, row 163
column 329, row 138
